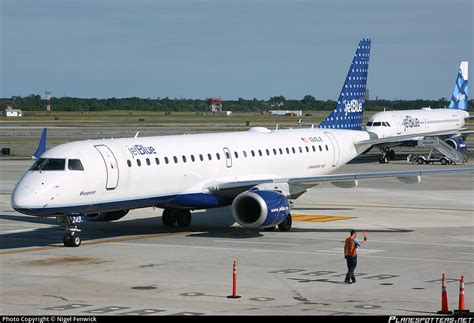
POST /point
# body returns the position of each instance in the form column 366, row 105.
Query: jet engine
column 260, row 209
column 106, row 216
column 457, row 143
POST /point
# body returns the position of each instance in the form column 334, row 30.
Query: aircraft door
column 111, row 166
column 398, row 124
column 335, row 148
column 228, row 157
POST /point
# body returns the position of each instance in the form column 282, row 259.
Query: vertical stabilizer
column 41, row 145
column 349, row 108
column 459, row 98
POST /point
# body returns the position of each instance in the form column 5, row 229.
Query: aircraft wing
column 298, row 185
column 374, row 141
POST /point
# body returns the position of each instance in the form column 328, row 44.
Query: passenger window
column 192, row 158
column 218, row 156
column 327, row 148
column 293, row 150
column 281, row 151
column 148, row 161
column 175, row 159
column 75, row 164
column 307, row 149
column 157, row 160
column 200, row 157
column 245, row 153
column 287, row 150
column 166, row 160
column 301, row 149
column 139, row 163
column 268, row 152
column 253, row 153
column 236, row 154
column 314, row 149
column 209, row 156
column 227, row 155
column 320, row 148
column 184, row 159
column 260, row 152
column 129, row 163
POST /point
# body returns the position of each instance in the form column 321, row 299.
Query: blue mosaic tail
column 349, row 109
column 459, row 98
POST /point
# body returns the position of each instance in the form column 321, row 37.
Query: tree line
column 308, row 103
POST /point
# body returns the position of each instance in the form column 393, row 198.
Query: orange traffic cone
column 234, row 282
column 461, row 308
column 444, row 298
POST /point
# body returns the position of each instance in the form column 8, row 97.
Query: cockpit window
column 377, row 124
column 46, row 164
column 369, row 124
column 75, row 164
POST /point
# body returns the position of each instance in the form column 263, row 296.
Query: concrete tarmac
column 135, row 266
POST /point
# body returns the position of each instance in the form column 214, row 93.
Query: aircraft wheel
column 168, row 218
column 286, row 225
column 70, row 240
column 184, row 218
column 420, row 161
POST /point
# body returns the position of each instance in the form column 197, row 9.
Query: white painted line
column 18, row 231
column 257, row 242
column 288, row 252
column 377, row 241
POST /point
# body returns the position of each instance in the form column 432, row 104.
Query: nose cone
column 25, row 198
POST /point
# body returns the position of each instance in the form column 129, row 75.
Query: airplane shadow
column 216, row 223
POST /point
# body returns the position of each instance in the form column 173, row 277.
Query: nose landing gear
column 72, row 238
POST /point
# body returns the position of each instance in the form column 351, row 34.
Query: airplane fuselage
column 174, row 171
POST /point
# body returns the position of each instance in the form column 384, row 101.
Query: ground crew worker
column 350, row 253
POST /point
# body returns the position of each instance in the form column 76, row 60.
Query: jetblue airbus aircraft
column 257, row 171
column 411, row 122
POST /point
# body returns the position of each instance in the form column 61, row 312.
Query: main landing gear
column 284, row 226
column 72, row 238
column 387, row 154
column 171, row 217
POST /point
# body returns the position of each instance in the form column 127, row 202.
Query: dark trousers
column 351, row 266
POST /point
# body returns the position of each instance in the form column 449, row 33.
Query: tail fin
column 459, row 98
column 350, row 106
column 42, row 145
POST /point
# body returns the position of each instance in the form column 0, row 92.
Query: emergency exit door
column 111, row 166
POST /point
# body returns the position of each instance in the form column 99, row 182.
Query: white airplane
column 257, row 171
column 448, row 123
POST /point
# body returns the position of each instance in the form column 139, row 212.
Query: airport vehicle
column 256, row 172
column 449, row 122
column 420, row 159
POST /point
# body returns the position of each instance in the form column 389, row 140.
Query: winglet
column 350, row 106
column 41, row 146
column 459, row 98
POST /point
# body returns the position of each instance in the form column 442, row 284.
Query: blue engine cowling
column 260, row 209
column 457, row 143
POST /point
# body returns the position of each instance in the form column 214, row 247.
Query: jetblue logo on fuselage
column 140, row 150
column 410, row 122
column 352, row 106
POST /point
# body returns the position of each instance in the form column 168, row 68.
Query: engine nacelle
column 457, row 143
column 106, row 216
column 260, row 209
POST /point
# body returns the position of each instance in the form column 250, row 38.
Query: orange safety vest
column 350, row 249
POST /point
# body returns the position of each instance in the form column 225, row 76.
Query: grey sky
column 232, row 49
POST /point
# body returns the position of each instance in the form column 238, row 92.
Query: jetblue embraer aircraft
column 255, row 171
column 412, row 122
